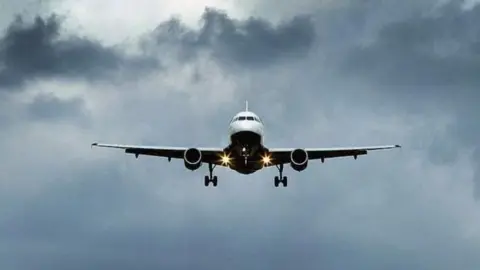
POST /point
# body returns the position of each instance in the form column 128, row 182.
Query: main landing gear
column 211, row 178
column 280, row 179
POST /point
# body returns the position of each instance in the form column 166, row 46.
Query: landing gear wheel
column 280, row 179
column 211, row 178
column 207, row 180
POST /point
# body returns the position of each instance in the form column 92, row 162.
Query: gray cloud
column 49, row 107
column 439, row 50
column 35, row 50
column 252, row 43
column 430, row 60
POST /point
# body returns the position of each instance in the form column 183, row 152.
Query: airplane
column 246, row 152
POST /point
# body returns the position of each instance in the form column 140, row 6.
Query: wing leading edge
column 282, row 155
column 278, row 155
column 209, row 155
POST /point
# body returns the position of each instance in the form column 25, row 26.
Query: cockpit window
column 249, row 118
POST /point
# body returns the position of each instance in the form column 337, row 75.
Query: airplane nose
column 246, row 126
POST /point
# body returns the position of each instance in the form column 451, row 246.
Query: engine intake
column 299, row 159
column 192, row 158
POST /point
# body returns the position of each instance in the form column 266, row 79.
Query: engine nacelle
column 192, row 158
column 299, row 159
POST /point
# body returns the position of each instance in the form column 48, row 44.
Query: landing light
column 225, row 159
column 266, row 160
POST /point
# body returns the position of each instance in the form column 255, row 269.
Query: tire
column 207, row 181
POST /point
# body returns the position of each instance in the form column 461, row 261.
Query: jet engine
column 192, row 158
column 299, row 159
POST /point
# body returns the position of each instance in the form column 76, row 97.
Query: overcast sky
column 173, row 73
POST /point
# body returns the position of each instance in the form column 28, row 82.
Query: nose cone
column 246, row 121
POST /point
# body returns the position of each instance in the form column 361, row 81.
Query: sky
column 173, row 73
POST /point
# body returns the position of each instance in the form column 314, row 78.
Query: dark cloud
column 36, row 50
column 430, row 60
column 438, row 50
column 98, row 218
column 95, row 216
column 253, row 42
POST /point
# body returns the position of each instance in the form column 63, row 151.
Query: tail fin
column 246, row 105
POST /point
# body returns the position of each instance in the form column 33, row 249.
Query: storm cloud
column 35, row 50
column 430, row 60
column 375, row 72
column 436, row 50
column 253, row 42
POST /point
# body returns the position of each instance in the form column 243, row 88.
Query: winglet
column 246, row 105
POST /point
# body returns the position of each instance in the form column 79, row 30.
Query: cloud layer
column 30, row 51
column 344, row 74
column 430, row 61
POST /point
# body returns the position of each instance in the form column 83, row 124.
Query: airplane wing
column 282, row 155
column 209, row 155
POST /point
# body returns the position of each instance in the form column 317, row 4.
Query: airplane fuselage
column 246, row 146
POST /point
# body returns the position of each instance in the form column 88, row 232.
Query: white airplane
column 246, row 152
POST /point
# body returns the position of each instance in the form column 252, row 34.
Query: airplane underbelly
column 248, row 168
column 245, row 171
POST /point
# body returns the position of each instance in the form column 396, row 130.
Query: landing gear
column 280, row 179
column 211, row 178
